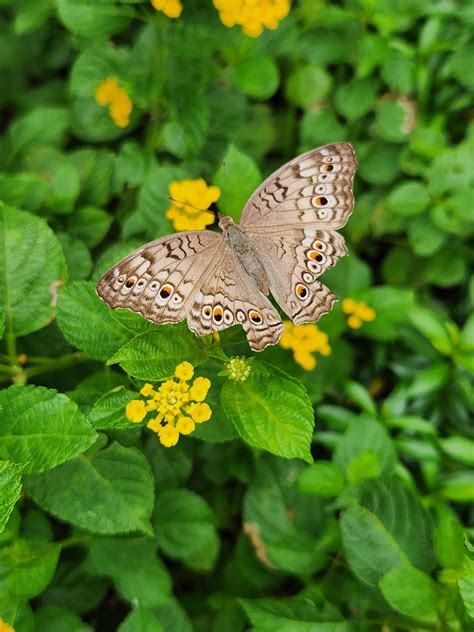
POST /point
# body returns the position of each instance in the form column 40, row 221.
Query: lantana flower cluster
column 252, row 15
column 171, row 8
column 108, row 92
column 305, row 340
column 177, row 406
column 188, row 197
column 357, row 312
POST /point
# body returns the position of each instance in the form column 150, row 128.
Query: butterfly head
column 225, row 221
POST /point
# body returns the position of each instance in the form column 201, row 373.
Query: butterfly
column 285, row 239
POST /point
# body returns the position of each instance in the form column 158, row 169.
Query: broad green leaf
column 58, row 619
column 28, row 567
column 108, row 412
column 32, row 266
column 77, row 255
column 65, row 187
column 41, row 428
column 459, row 448
column 185, row 528
column 154, row 355
column 364, row 465
column 356, row 98
column 93, row 21
column 433, row 328
column 135, row 568
column 32, row 15
column 10, row 488
column 256, row 75
column 322, row 479
column 87, row 322
column 429, row 380
column 140, row 620
column 458, row 486
column 170, row 467
column 39, row 126
column 237, row 178
column 398, row 72
column 410, row 197
column 394, row 121
column 308, row 85
column 293, row 614
column 387, row 528
column 320, row 127
column 466, row 585
column 411, row 592
column 113, row 491
column 271, row 411
column 363, row 436
column 153, row 200
column 90, row 224
column 360, row 395
column 448, row 538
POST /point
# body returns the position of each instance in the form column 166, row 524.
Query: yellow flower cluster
column 188, row 196
column 108, row 92
column 304, row 340
column 252, row 15
column 180, row 406
column 171, row 8
column 5, row 627
column 357, row 312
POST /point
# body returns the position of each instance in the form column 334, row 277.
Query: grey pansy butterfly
column 284, row 241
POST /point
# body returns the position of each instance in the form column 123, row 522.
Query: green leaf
column 32, row 266
column 433, row 328
column 58, row 619
column 409, row 198
column 185, row 529
column 356, row 98
column 365, row 436
column 321, row 479
column 360, row 395
column 78, row 304
column 10, row 488
column 411, row 592
column 27, row 568
column 364, row 465
column 237, row 178
column 271, row 411
column 140, row 620
column 77, row 255
column 256, row 75
column 393, row 122
column 154, row 355
column 399, row 73
column 40, row 126
column 308, row 85
column 429, row 380
column 138, row 573
column 466, row 585
column 31, row 15
column 93, row 21
column 113, row 491
column 65, row 188
column 387, row 528
column 320, row 127
column 153, row 200
column 459, row 448
column 448, row 538
column 458, row 486
column 108, row 412
column 90, row 224
column 41, row 428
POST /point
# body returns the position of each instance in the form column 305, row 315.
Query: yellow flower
column 179, row 405
column 199, row 412
column 304, row 340
column 184, row 371
column 5, row 627
column 357, row 313
column 108, row 92
column 21, row 359
column 238, row 369
column 199, row 389
column 190, row 199
column 252, row 15
column 171, row 8
column 136, row 411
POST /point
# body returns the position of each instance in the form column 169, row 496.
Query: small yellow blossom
column 252, row 15
column 136, row 410
column 305, row 340
column 357, row 313
column 200, row 412
column 180, row 406
column 199, row 389
column 188, row 197
column 21, row 359
column 171, row 8
column 184, row 371
column 238, row 369
column 5, row 627
column 108, row 92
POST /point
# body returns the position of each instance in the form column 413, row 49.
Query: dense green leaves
column 237, row 177
column 10, row 487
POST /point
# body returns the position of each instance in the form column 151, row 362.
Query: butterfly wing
column 230, row 296
column 313, row 190
column 160, row 279
column 293, row 261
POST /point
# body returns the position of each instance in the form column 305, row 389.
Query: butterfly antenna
column 202, row 210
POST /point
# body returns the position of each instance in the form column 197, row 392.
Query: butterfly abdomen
column 241, row 245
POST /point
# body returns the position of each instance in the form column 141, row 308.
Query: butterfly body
column 285, row 240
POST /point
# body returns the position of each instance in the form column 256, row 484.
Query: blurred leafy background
column 105, row 103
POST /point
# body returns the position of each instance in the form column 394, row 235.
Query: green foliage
column 333, row 500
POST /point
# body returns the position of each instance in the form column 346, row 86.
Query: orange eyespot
column 327, row 168
column 321, row 201
column 166, row 291
column 255, row 317
column 207, row 311
column 301, row 291
column 318, row 245
column 130, row 282
column 218, row 314
column 312, row 254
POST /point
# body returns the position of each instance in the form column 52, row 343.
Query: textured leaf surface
column 155, row 354
column 32, row 266
column 88, row 323
column 272, row 411
column 109, row 410
column 114, row 491
column 185, row 528
column 41, row 428
column 140, row 620
column 411, row 592
column 10, row 487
